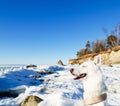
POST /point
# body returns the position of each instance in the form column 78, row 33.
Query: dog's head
column 86, row 70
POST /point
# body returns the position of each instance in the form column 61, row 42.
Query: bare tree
column 117, row 32
column 105, row 31
column 81, row 53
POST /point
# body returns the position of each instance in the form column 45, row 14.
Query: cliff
column 112, row 56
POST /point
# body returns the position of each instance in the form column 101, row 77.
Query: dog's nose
column 71, row 70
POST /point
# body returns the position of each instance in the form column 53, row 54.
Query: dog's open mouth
column 80, row 76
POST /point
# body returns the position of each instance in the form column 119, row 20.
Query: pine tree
column 112, row 41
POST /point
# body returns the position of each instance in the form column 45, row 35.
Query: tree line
column 113, row 40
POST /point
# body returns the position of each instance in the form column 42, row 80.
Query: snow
column 54, row 84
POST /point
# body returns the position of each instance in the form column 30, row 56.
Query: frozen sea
column 54, row 84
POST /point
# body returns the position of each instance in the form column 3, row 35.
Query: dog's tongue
column 80, row 76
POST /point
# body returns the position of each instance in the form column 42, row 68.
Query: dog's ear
column 97, row 60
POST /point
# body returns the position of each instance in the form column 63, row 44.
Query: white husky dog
column 94, row 88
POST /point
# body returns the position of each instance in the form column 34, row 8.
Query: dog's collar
column 94, row 100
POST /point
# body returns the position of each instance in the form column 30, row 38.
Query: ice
column 54, row 84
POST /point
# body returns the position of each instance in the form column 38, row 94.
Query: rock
column 8, row 94
column 13, row 93
column 111, row 58
column 110, row 65
column 115, row 57
column 60, row 62
column 106, row 58
column 35, row 76
column 31, row 66
column 31, row 101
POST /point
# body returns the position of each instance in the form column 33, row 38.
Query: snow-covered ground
column 54, row 84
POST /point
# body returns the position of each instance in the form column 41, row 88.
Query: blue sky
column 44, row 31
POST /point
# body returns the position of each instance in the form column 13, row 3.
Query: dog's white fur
column 93, row 82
